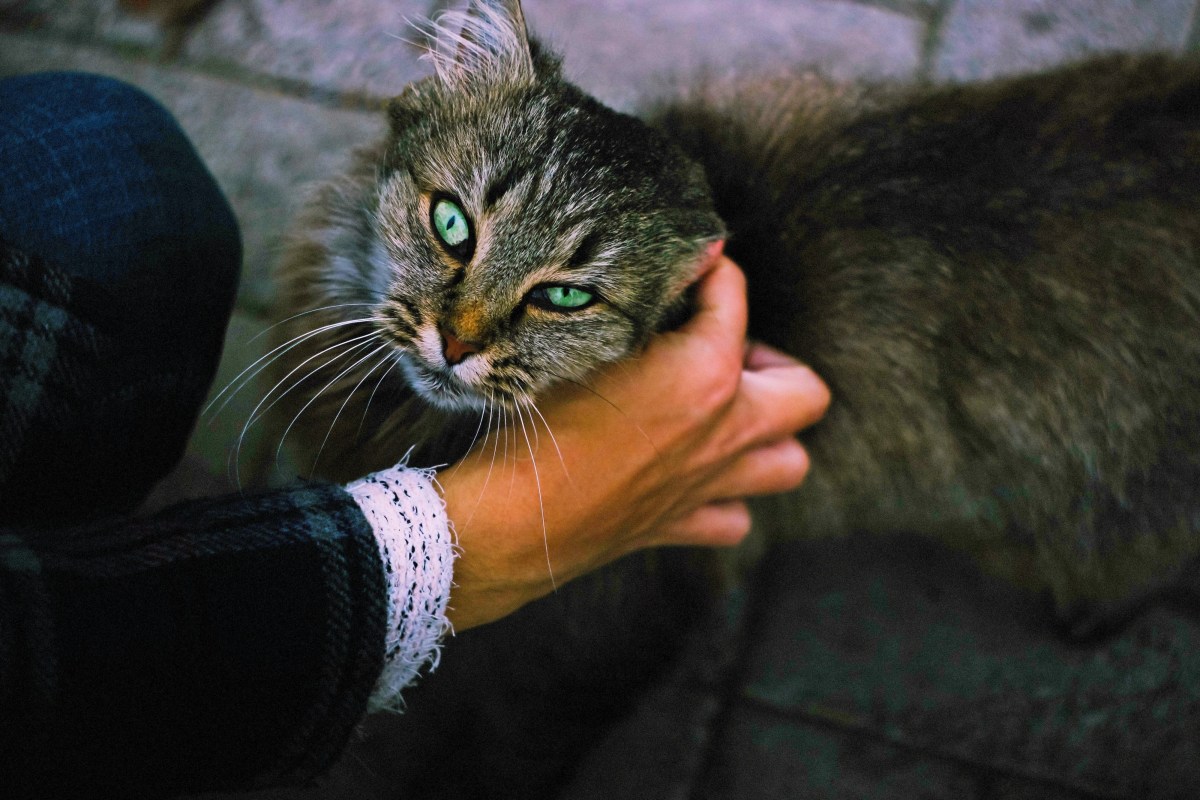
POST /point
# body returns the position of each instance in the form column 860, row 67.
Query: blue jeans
column 111, row 346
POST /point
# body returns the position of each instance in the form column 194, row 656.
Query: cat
column 1000, row 283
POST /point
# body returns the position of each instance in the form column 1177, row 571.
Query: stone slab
column 983, row 38
column 362, row 48
column 368, row 49
column 622, row 50
column 901, row 641
column 664, row 744
column 767, row 757
column 82, row 21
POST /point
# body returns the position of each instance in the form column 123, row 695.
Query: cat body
column 1000, row 283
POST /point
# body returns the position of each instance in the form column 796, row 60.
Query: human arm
column 224, row 643
column 235, row 642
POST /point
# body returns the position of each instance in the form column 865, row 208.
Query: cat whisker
column 383, row 347
column 508, row 428
column 495, row 443
column 316, row 310
column 537, row 480
column 395, row 357
column 484, row 412
column 491, row 406
column 259, row 411
column 262, row 362
column 321, row 391
column 243, row 378
column 533, row 406
column 348, row 346
column 522, row 400
column 420, row 25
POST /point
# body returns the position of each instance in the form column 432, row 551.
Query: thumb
column 721, row 312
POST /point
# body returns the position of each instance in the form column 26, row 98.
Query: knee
column 100, row 179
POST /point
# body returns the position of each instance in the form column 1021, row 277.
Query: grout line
column 216, row 69
column 935, row 24
column 1192, row 42
column 750, row 612
column 842, row 728
column 908, row 8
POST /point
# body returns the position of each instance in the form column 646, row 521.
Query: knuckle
column 723, row 380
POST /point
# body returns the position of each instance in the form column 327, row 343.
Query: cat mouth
column 442, row 388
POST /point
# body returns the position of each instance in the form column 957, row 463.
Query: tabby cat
column 1000, row 282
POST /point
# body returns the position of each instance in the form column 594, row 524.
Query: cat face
column 524, row 233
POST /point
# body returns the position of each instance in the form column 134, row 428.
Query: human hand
column 660, row 450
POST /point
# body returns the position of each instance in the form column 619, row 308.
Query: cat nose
column 456, row 349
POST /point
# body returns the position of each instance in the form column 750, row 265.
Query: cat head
column 525, row 233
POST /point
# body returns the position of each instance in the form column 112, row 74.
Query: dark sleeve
column 221, row 644
column 95, row 391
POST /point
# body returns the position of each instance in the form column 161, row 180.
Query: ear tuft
column 486, row 43
column 403, row 110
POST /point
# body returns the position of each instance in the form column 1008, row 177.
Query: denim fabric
column 121, row 263
column 100, row 181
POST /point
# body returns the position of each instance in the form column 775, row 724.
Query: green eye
column 561, row 298
column 451, row 224
column 567, row 296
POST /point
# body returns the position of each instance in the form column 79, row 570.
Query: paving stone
column 765, row 757
column 82, row 21
column 916, row 8
column 620, row 50
column 663, row 744
column 357, row 47
column 983, row 38
column 903, row 641
column 353, row 46
column 263, row 147
column 613, row 49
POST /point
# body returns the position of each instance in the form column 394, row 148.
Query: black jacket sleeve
column 227, row 643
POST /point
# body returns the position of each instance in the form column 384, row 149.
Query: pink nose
column 455, row 349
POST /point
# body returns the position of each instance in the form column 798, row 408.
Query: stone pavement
column 868, row 673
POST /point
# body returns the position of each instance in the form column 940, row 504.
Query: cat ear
column 486, row 43
column 404, row 109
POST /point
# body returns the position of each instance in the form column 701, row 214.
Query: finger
column 761, row 356
column 721, row 524
column 779, row 401
column 720, row 304
column 779, row 466
column 710, row 259
column 712, row 337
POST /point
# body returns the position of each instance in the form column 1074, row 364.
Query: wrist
column 407, row 514
column 502, row 556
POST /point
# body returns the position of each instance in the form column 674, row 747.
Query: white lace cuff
column 408, row 517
